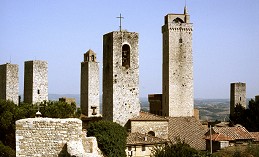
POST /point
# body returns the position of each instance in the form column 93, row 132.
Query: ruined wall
column 237, row 95
column 35, row 81
column 160, row 128
column 120, row 77
column 177, row 66
column 9, row 82
column 89, row 95
column 53, row 137
column 45, row 136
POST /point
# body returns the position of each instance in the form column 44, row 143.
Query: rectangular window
column 144, row 148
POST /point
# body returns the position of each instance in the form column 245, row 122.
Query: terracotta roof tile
column 188, row 129
column 255, row 135
column 219, row 137
column 237, row 133
column 145, row 116
column 137, row 138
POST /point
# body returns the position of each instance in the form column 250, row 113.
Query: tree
column 178, row 149
column 111, row 137
column 249, row 117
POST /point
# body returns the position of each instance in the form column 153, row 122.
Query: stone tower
column 177, row 100
column 35, row 81
column 9, row 82
column 120, row 76
column 237, row 95
column 89, row 97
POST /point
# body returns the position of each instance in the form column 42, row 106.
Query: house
column 142, row 144
column 255, row 135
column 227, row 136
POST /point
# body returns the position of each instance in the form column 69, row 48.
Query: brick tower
column 9, row 82
column 89, row 94
column 35, row 81
column 177, row 100
column 120, row 76
column 237, row 95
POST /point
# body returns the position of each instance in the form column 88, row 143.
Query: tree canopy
column 249, row 117
column 111, row 137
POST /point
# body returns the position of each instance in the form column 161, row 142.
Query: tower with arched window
column 120, row 76
column 177, row 98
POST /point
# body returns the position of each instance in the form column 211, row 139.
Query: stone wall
column 53, row 137
column 177, row 66
column 120, row 80
column 160, row 128
column 35, row 81
column 9, row 82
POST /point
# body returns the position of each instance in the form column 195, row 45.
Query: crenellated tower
column 177, row 99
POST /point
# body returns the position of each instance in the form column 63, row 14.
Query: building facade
column 9, row 82
column 237, row 95
column 35, row 81
column 120, row 76
column 177, row 83
column 89, row 94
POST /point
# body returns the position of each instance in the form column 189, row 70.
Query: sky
column 225, row 40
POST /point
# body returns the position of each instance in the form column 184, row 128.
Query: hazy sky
column 225, row 39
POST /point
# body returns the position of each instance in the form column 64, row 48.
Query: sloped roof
column 188, row 129
column 219, row 137
column 145, row 116
column 237, row 133
column 255, row 135
column 137, row 138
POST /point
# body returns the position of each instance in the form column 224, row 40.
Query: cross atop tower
column 120, row 17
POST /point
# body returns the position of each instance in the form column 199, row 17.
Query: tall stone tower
column 120, row 76
column 177, row 100
column 89, row 97
column 237, row 95
column 35, row 81
column 9, row 82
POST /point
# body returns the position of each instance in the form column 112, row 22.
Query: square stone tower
column 89, row 94
column 35, row 81
column 177, row 83
column 237, row 95
column 9, row 82
column 120, row 76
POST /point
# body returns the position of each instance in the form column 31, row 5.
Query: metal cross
column 120, row 17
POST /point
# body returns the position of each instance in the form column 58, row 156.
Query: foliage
column 249, row 117
column 111, row 137
column 58, row 109
column 178, row 149
column 6, row 151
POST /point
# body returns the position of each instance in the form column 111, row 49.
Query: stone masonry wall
column 120, row 83
column 237, row 95
column 35, row 81
column 45, row 136
column 160, row 128
column 177, row 66
column 9, row 82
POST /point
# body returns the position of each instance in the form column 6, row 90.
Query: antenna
column 10, row 59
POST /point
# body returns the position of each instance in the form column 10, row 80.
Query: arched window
column 177, row 20
column 152, row 133
column 126, row 55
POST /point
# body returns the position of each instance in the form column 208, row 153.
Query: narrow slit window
column 126, row 56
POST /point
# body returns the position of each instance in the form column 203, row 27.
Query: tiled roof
column 236, row 133
column 188, row 129
column 255, row 135
column 137, row 138
column 219, row 137
column 145, row 116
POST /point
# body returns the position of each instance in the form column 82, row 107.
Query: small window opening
column 126, row 56
column 38, row 91
column 144, row 148
column 180, row 40
column 240, row 98
column 93, row 58
column 152, row 133
column 94, row 110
